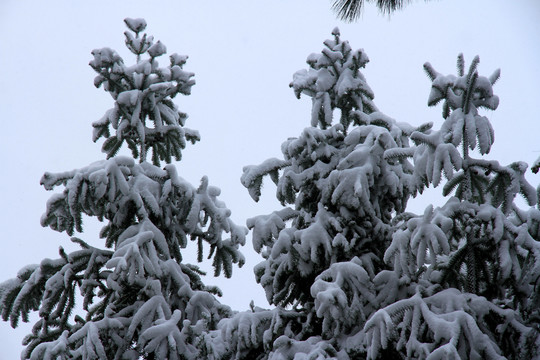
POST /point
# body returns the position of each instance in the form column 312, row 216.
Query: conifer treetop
column 468, row 91
column 334, row 81
column 144, row 115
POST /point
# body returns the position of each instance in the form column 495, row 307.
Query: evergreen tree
column 323, row 250
column 139, row 299
column 351, row 273
column 468, row 270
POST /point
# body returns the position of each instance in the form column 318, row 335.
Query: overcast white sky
column 243, row 53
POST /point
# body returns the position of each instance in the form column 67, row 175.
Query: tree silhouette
column 350, row 10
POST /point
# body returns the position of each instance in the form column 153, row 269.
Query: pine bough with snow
column 139, row 299
column 354, row 276
column 350, row 273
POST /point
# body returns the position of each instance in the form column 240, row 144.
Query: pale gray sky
column 243, row 53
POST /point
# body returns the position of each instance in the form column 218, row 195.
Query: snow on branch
column 125, row 193
column 445, row 325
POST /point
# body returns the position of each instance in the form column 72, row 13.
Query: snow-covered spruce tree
column 138, row 298
column 471, row 267
column 323, row 250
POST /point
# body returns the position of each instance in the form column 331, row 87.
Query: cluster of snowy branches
column 142, row 93
column 349, row 272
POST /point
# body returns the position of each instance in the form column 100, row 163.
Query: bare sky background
column 243, row 54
